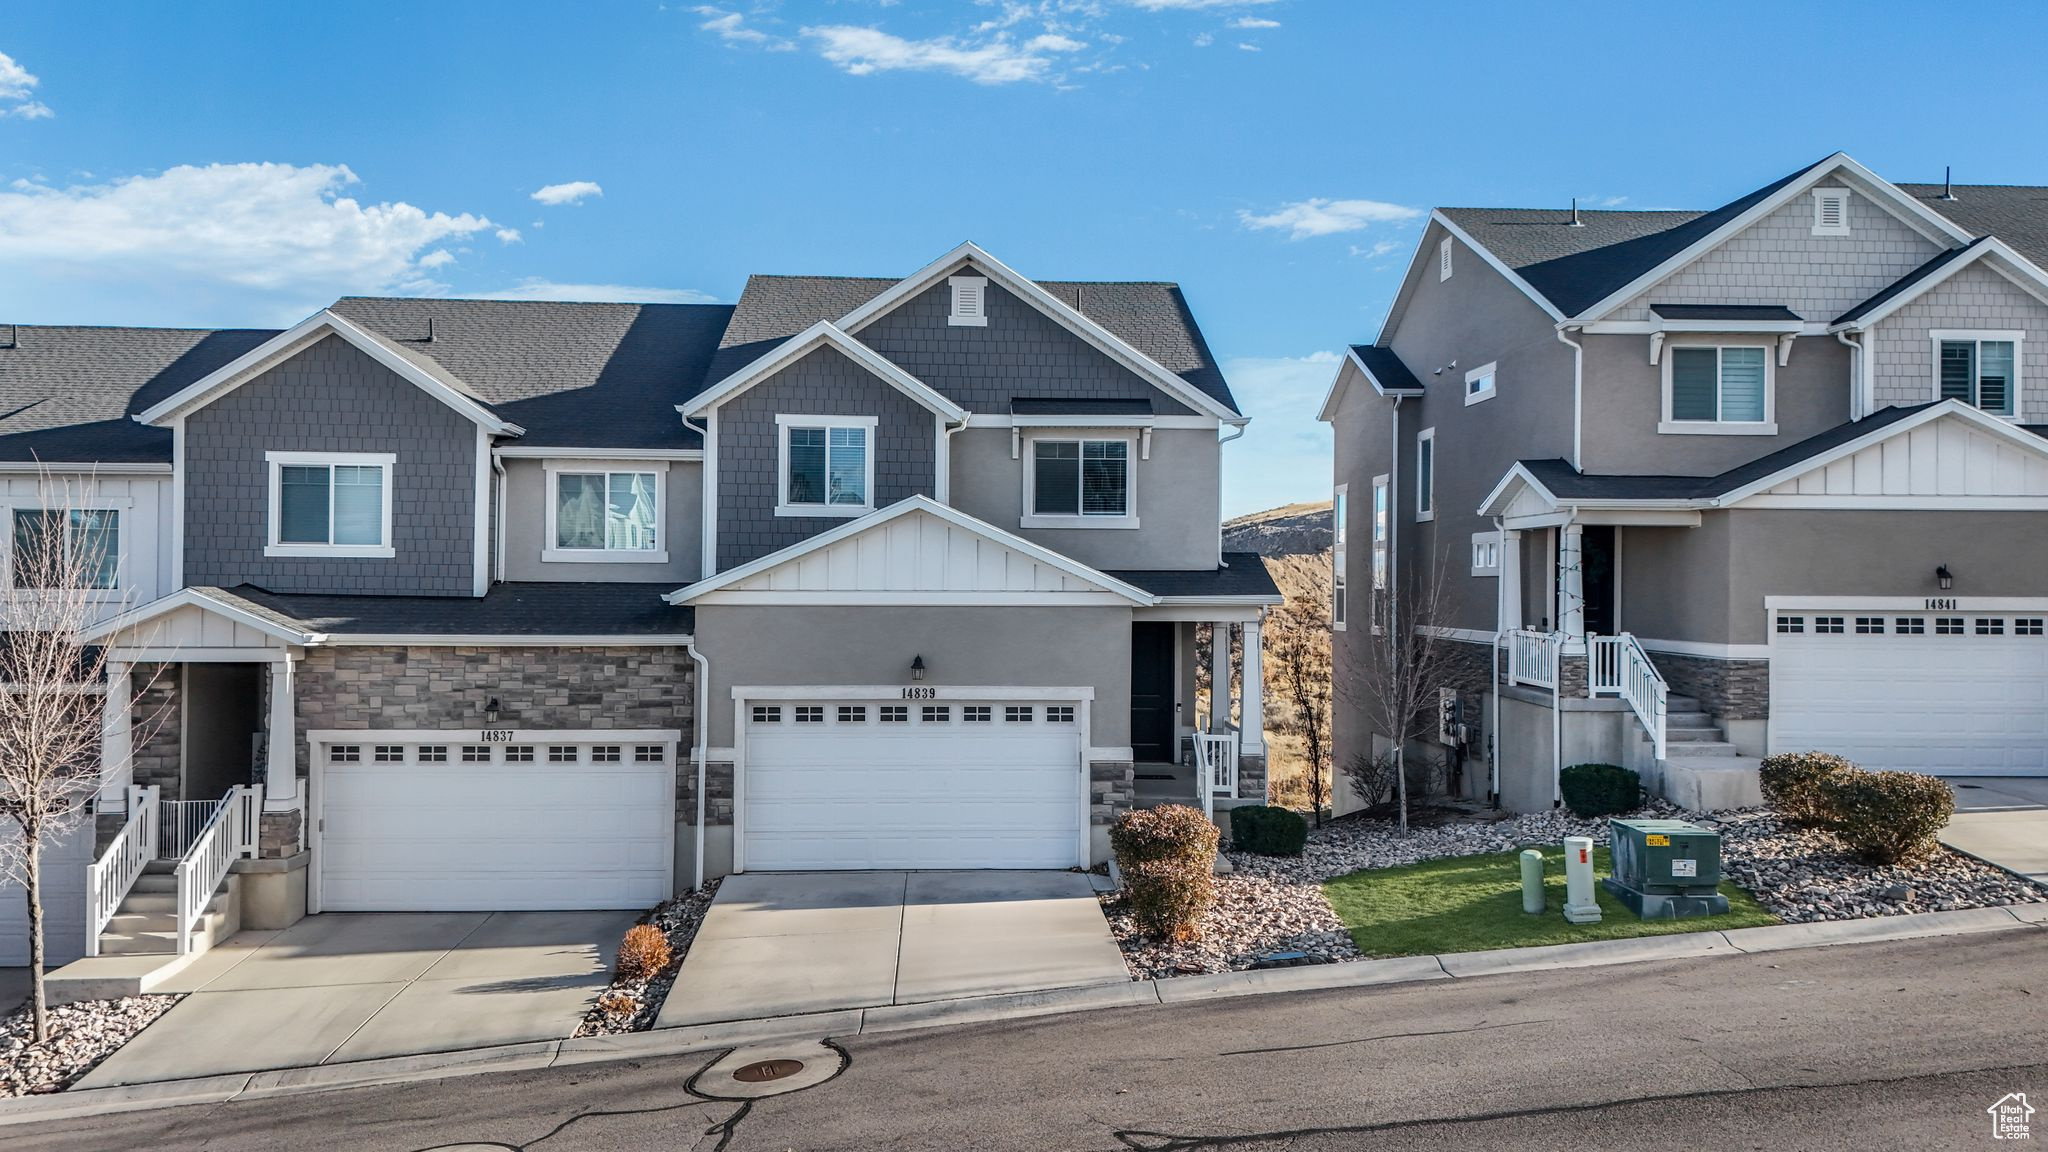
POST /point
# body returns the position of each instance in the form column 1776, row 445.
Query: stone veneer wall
column 280, row 834
column 1728, row 689
column 717, row 793
column 1251, row 778
column 158, row 726
column 1112, row 789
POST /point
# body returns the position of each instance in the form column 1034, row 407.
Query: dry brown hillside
column 1291, row 530
column 1295, row 541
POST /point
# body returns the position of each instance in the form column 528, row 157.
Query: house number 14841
column 1937, row 605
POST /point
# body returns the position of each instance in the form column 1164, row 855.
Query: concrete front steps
column 139, row 948
column 1702, row 770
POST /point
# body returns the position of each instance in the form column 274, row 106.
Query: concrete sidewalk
column 792, row 943
column 2003, row 820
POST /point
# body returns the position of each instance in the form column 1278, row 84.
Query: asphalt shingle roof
column 510, row 609
column 1905, row 283
column 1386, row 367
column 67, row 392
column 1724, row 312
column 1243, row 574
column 2015, row 213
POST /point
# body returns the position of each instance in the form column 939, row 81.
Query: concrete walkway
column 2003, row 819
column 359, row 986
column 784, row 944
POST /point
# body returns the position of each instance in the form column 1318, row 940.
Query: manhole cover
column 762, row 1071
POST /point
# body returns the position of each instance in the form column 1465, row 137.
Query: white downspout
column 498, row 527
column 702, row 723
column 1234, row 434
column 1500, row 612
column 1578, row 399
column 942, row 484
column 1394, row 558
column 1557, row 669
column 1859, row 400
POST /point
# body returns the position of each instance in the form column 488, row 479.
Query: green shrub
column 1888, row 817
column 1168, row 859
column 1599, row 789
column 1796, row 784
column 1268, row 831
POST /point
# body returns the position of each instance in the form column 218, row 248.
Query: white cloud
column 1380, row 248
column 1204, row 39
column 864, row 51
column 537, row 288
column 732, row 28
column 1251, row 22
column 570, row 193
column 275, row 228
column 1320, row 217
column 509, row 236
column 17, row 92
column 1243, row 47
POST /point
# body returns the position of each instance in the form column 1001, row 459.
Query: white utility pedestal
column 1580, row 906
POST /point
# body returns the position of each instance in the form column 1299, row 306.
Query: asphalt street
column 1899, row 1045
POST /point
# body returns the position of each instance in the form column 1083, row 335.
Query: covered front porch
column 1198, row 707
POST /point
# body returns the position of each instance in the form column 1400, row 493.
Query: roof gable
column 1379, row 367
column 68, row 393
column 916, row 551
column 823, row 334
column 1990, row 251
column 1944, row 451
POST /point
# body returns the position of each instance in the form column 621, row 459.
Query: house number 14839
column 920, row 693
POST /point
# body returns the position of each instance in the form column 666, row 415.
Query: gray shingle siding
column 1019, row 353
column 1975, row 298
column 822, row 383
column 331, row 398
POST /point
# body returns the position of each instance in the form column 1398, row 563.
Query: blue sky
column 242, row 164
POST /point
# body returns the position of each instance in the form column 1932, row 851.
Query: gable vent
column 1830, row 211
column 970, row 301
column 1443, row 259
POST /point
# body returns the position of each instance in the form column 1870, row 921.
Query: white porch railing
column 179, row 823
column 1618, row 666
column 1216, row 762
column 228, row 834
column 108, row 879
column 1532, row 657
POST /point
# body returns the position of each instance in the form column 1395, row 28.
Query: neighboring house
column 1779, row 457
column 515, row 605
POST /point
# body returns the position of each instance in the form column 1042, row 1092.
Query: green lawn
column 1471, row 903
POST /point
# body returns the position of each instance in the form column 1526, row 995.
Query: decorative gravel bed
column 81, row 1035
column 632, row 1005
column 1275, row 904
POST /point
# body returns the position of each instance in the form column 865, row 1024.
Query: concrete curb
column 1018, row 1006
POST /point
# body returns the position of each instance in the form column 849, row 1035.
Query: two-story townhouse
column 518, row 605
column 1706, row 486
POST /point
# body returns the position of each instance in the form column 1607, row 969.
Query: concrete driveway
column 783, row 944
column 358, row 986
column 2003, row 819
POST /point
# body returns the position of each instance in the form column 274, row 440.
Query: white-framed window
column 1425, row 474
column 1486, row 553
column 827, row 466
column 970, row 301
column 49, row 546
column 1980, row 368
column 1830, row 211
column 1081, row 482
column 1382, row 536
column 330, row 504
column 1479, row 384
column 1443, row 259
column 1715, row 389
column 1340, row 511
column 606, row 512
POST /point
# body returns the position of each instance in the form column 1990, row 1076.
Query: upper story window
column 330, row 504
column 827, row 466
column 970, row 301
column 1443, row 259
column 606, row 515
column 1080, row 483
column 1479, row 384
column 1340, row 510
column 66, row 548
column 1830, row 211
column 1382, row 532
column 1425, row 474
column 1978, row 368
column 1717, row 390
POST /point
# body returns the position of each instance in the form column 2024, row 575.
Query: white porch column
column 1510, row 580
column 281, row 774
column 1571, row 584
column 1253, row 740
column 1219, row 676
column 117, row 766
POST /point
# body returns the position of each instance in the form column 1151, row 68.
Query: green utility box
column 1666, row 869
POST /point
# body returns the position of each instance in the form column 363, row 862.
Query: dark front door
column 1596, row 559
column 1152, row 718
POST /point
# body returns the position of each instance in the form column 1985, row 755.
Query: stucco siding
column 331, row 398
column 1977, row 297
column 823, row 383
column 526, row 523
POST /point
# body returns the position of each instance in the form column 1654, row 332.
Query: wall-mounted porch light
column 917, row 667
column 491, row 711
column 1946, row 579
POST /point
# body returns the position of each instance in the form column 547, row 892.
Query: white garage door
column 1948, row 693
column 419, row 825
column 937, row 784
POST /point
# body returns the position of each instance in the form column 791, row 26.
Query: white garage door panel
column 451, row 836
column 1952, row 705
column 951, row 794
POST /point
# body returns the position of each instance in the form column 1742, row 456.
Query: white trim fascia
column 1549, row 309
column 1105, row 341
column 1908, row 603
column 801, row 599
column 981, row 420
column 1716, row 428
column 284, row 345
column 481, row 529
column 803, row 344
column 1710, row 651
column 1797, row 187
column 920, row 503
column 38, row 467
column 902, row 692
column 1984, row 421
column 1902, row 503
column 542, row 452
column 1733, row 327
column 192, row 597
column 500, row 640
column 1515, row 472
column 1199, row 611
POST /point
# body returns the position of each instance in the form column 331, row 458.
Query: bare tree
column 64, row 558
column 1297, row 648
column 1397, row 664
